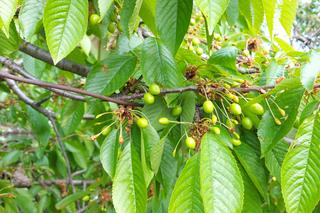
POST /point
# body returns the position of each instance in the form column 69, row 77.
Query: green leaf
column 104, row 6
column 254, row 167
column 188, row 104
column 155, row 111
column 129, row 15
column 275, row 157
column 24, row 200
column 72, row 115
column 70, row 199
column 172, row 19
column 39, row 125
column 148, row 14
column 186, row 193
column 129, row 192
column 288, row 14
column 269, row 9
column 310, row 71
column 65, row 24
column 272, row 72
column 258, row 14
column 7, row 11
column 150, row 138
column 30, row 17
column 225, row 58
column 112, row 75
column 11, row 44
column 251, row 201
column 158, row 64
column 168, row 168
column 213, row 11
column 300, row 174
column 10, row 158
column 232, row 12
column 109, row 153
column 220, row 179
column 33, row 66
column 289, row 99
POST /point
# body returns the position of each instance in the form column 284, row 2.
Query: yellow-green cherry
column 257, row 109
column 208, row 106
column 176, row 111
column 247, row 123
column 95, row 19
column 235, row 142
column 154, row 89
column 142, row 123
column 235, row 109
column 190, row 143
column 164, row 121
column 148, row 98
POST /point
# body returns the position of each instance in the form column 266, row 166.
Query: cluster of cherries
column 209, row 108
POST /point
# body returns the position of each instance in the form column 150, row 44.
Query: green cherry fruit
column 246, row 123
column 282, row 112
column 142, row 123
column 164, row 121
column 199, row 51
column 208, row 106
column 95, row 19
column 235, row 109
column 230, row 124
column 235, row 142
column 235, row 99
column 154, row 89
column 176, row 111
column 190, row 143
column 106, row 131
column 192, row 21
column 111, row 27
column 148, row 98
column 86, row 198
column 195, row 41
column 277, row 121
column 216, row 130
column 214, row 119
column 256, row 109
column 236, row 135
column 246, row 52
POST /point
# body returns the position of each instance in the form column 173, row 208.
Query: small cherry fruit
column 208, row 106
column 246, row 123
column 216, row 130
column 148, row 98
column 199, row 51
column 142, row 123
column 235, row 142
column 214, row 119
column 235, row 109
column 257, row 109
column 95, row 19
column 190, row 143
column 176, row 111
column 164, row 121
column 154, row 89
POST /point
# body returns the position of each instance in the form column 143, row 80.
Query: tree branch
column 46, row 85
column 51, row 117
column 16, row 68
column 45, row 56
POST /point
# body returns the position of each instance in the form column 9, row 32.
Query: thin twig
column 46, row 85
column 51, row 117
column 16, row 68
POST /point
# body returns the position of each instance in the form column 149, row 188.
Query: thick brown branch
column 45, row 56
column 46, row 85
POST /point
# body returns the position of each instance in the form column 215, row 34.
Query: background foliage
column 159, row 106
